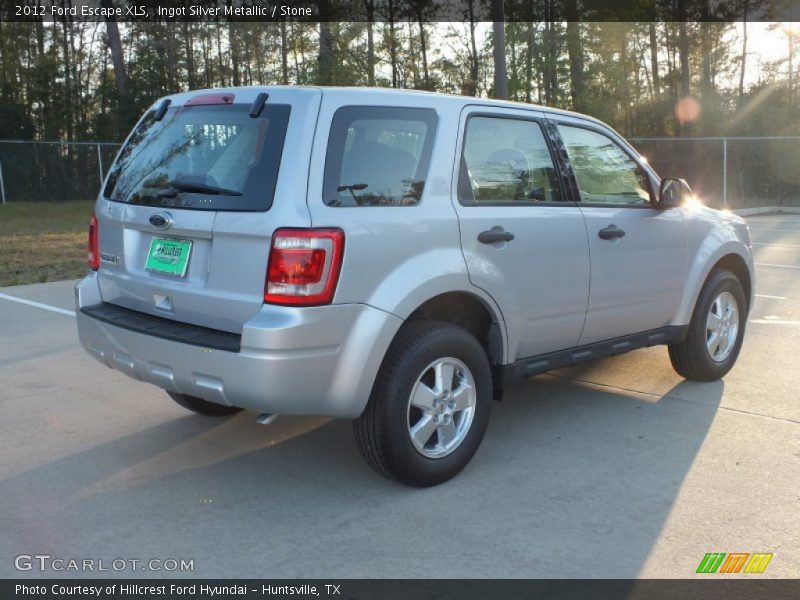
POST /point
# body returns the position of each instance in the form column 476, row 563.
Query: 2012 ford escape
column 395, row 258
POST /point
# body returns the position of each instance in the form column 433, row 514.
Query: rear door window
column 506, row 161
column 207, row 157
column 378, row 156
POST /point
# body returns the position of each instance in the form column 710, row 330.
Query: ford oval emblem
column 161, row 220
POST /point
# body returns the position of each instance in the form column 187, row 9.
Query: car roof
column 454, row 98
column 365, row 93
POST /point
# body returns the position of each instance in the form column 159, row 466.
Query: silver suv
column 395, row 258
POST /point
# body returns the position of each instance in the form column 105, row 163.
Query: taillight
column 304, row 266
column 93, row 250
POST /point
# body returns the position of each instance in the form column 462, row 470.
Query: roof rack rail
column 162, row 109
column 258, row 104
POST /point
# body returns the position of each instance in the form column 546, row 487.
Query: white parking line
column 768, row 229
column 768, row 296
column 773, row 221
column 55, row 309
column 774, row 322
column 775, row 265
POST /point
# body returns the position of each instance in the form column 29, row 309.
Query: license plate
column 168, row 257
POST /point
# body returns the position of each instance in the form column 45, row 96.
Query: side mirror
column 673, row 192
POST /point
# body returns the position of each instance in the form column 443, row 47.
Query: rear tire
column 716, row 330
column 429, row 407
column 203, row 407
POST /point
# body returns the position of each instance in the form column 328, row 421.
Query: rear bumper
column 301, row 361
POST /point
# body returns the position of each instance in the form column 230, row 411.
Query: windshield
column 213, row 157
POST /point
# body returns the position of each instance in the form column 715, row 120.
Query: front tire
column 429, row 407
column 716, row 330
column 203, row 407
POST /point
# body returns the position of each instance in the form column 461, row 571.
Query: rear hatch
column 190, row 205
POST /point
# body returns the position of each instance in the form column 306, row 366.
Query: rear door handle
column 494, row 235
column 611, row 232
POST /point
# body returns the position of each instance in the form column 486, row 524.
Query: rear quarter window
column 378, row 156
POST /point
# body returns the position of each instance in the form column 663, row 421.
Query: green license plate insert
column 168, row 257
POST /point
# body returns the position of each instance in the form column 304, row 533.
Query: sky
column 766, row 43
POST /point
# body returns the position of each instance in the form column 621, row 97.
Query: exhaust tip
column 266, row 418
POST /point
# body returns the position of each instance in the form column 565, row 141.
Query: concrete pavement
column 616, row 469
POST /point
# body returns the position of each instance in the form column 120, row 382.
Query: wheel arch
column 448, row 303
column 472, row 313
column 735, row 263
column 731, row 256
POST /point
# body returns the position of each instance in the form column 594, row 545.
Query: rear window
column 378, row 156
column 207, row 157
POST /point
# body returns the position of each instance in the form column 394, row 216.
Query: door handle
column 495, row 234
column 611, row 232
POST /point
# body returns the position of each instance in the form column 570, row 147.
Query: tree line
column 86, row 81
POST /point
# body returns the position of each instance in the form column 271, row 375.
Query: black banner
column 219, row 11
column 714, row 588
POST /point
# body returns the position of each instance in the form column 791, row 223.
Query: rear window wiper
column 173, row 188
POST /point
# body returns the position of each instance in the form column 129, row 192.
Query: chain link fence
column 53, row 171
column 732, row 172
